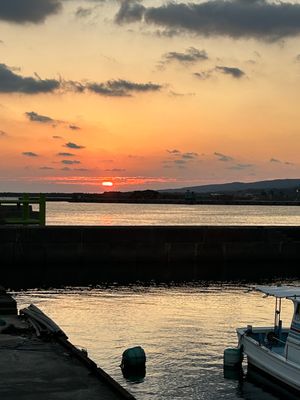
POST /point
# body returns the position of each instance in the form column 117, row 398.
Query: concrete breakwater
column 34, row 256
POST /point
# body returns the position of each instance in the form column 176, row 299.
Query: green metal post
column 25, row 208
column 42, row 210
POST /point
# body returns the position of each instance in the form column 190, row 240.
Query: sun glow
column 107, row 183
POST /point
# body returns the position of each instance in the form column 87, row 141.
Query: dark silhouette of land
column 272, row 192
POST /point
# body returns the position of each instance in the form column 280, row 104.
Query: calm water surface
column 184, row 331
column 62, row 213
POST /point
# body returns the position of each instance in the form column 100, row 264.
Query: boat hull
column 268, row 361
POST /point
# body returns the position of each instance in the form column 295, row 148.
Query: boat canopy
column 290, row 292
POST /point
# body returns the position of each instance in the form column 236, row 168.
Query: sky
column 147, row 94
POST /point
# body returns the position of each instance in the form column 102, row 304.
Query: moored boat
column 275, row 350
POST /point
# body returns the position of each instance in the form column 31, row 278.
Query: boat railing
column 19, row 211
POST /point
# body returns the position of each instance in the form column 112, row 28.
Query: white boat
column 275, row 350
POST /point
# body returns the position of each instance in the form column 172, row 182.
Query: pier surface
column 81, row 255
column 35, row 369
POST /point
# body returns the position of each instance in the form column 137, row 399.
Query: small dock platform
column 38, row 362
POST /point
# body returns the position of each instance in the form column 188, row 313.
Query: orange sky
column 131, row 93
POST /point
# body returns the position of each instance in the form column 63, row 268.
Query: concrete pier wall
column 80, row 255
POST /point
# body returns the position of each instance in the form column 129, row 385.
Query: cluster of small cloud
column 179, row 159
column 259, row 19
column 10, row 82
column 229, row 159
column 44, row 119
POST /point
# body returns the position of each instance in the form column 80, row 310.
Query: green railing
column 19, row 211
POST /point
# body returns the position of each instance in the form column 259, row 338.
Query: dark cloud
column 175, row 151
column 29, row 154
column 288, row 163
column 130, row 11
column 81, row 169
column 190, row 56
column 233, row 71
column 57, row 137
column 65, row 154
column 82, row 12
column 24, row 11
column 258, row 19
column 10, row 82
column 203, row 75
column 190, row 155
column 43, row 119
column 275, row 160
column 65, row 169
column 71, row 145
column 46, row 168
column 239, row 167
column 115, row 170
column 74, row 127
column 70, row 162
column 297, row 58
column 176, row 94
column 121, row 88
column 2, row 133
column 223, row 157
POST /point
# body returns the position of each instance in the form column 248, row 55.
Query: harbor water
column 183, row 330
column 63, row 213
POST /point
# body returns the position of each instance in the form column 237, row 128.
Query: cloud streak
column 121, row 88
column 75, row 146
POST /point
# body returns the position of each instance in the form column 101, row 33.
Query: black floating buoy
column 134, row 362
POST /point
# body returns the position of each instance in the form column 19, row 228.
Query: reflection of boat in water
column 275, row 350
column 257, row 385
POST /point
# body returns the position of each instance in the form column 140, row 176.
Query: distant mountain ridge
column 240, row 186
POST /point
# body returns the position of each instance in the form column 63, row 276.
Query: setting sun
column 107, row 183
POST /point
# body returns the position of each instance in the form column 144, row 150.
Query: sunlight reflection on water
column 61, row 213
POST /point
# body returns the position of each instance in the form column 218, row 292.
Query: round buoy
column 233, row 357
column 134, row 358
column 133, row 364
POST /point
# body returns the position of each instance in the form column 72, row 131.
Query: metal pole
column 25, row 208
column 42, row 210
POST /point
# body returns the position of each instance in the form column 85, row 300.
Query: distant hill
column 279, row 184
